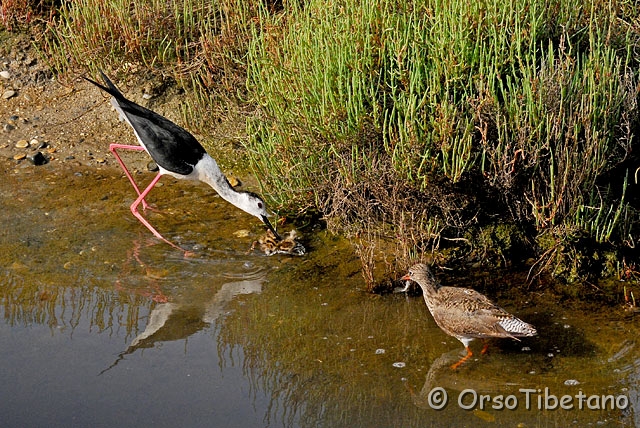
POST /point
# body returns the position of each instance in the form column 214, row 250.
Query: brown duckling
column 270, row 244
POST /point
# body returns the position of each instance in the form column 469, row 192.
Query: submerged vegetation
column 490, row 131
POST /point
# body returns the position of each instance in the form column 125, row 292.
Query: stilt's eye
column 259, row 204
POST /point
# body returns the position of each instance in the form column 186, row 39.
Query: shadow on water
column 103, row 325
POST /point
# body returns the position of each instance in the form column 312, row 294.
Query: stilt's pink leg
column 134, row 210
column 142, row 195
column 112, row 148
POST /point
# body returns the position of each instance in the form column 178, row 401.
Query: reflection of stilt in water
column 174, row 321
column 157, row 319
column 153, row 290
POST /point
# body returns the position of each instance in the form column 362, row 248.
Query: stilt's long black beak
column 266, row 222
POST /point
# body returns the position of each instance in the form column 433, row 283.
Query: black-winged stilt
column 178, row 154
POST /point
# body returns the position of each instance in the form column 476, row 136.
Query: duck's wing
column 472, row 314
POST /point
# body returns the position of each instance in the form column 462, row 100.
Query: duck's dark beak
column 265, row 220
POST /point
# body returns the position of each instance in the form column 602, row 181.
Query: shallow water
column 103, row 325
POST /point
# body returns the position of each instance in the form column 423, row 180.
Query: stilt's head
column 254, row 205
column 421, row 274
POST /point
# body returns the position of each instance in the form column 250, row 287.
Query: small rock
column 571, row 382
column 242, row 233
column 100, row 160
column 14, row 118
column 22, row 144
column 8, row 127
column 233, row 181
column 34, row 142
column 37, row 159
column 152, row 166
column 5, row 74
column 43, row 145
column 19, row 156
column 8, row 94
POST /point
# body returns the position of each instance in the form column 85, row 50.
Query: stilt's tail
column 110, row 88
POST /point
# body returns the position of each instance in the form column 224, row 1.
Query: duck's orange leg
column 463, row 359
column 485, row 347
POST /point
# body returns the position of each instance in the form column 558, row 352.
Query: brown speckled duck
column 466, row 314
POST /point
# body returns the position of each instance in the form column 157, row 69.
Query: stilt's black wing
column 171, row 147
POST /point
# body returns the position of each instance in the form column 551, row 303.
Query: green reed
column 198, row 43
column 537, row 99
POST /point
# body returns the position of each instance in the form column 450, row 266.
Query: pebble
column 19, row 156
column 242, row 233
column 34, row 142
column 100, row 160
column 380, row 351
column 8, row 127
column 37, row 159
column 399, row 364
column 152, row 166
column 8, row 94
column 233, row 181
column 5, row 74
column 22, row 144
column 571, row 382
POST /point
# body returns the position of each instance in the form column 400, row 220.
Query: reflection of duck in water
column 466, row 314
column 174, row 321
column 270, row 244
column 489, row 380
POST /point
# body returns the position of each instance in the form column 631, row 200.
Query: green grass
column 453, row 114
column 198, row 43
column 534, row 103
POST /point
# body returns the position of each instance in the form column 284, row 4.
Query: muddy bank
column 71, row 123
